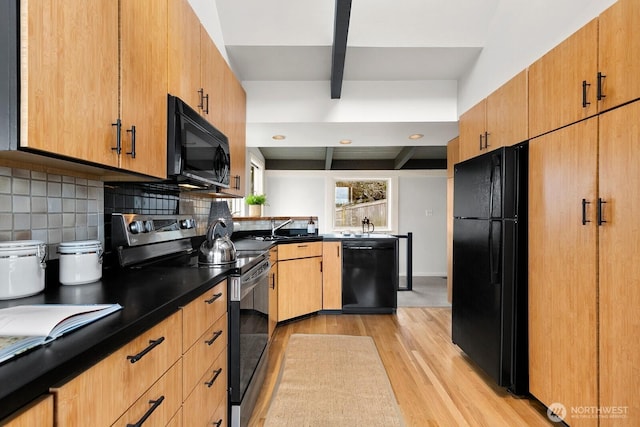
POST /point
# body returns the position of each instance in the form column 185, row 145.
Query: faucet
column 275, row 228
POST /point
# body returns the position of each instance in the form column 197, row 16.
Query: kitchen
column 470, row 91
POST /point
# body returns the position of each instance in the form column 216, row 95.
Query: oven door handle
column 252, row 282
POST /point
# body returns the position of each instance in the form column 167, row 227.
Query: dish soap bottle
column 311, row 226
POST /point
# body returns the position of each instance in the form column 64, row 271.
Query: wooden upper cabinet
column 235, row 127
column 562, row 84
column 184, row 53
column 472, row 130
column 499, row 120
column 69, row 78
column 212, row 69
column 507, row 113
column 618, row 62
column 143, row 86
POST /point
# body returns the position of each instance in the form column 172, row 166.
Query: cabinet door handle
column 206, row 109
column 217, row 372
column 152, row 344
column 320, row 266
column 601, row 202
column 601, row 78
column 480, row 141
column 201, row 95
column 585, row 85
column 118, row 147
column 213, row 298
column 132, row 153
column 338, row 251
column 486, row 139
column 584, row 211
column 154, row 405
column 273, row 281
column 215, row 337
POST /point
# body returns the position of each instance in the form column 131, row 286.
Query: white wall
column 520, row 33
column 301, row 193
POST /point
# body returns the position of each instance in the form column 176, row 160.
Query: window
column 356, row 199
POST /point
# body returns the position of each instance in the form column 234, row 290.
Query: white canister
column 80, row 262
column 22, row 268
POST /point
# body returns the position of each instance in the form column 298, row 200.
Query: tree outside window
column 357, row 199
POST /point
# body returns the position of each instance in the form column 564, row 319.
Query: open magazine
column 26, row 326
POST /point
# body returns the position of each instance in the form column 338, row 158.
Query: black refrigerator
column 489, row 306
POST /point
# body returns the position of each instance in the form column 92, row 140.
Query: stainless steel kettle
column 216, row 251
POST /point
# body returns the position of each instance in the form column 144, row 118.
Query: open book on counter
column 27, row 326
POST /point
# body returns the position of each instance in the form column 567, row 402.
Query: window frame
column 392, row 201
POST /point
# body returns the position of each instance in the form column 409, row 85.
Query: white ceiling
column 388, row 42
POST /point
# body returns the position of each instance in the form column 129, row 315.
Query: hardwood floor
column 434, row 382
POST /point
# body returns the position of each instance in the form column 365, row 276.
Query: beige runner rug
column 332, row 380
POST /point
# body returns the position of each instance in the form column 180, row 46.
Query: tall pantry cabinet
column 563, row 266
column 584, row 244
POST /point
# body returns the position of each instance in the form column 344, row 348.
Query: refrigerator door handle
column 491, row 261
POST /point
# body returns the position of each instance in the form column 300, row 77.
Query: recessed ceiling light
column 416, row 136
column 278, row 137
column 345, row 141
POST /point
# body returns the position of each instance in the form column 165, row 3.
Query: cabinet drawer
column 198, row 358
column 199, row 406
column 299, row 250
column 219, row 418
column 105, row 391
column 161, row 401
column 200, row 314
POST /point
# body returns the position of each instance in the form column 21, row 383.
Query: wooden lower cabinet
column 38, row 414
column 204, row 380
column 180, row 381
column 209, row 393
column 332, row 276
column 157, row 405
column 299, row 279
column 105, row 391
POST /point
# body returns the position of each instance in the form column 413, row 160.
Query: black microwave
column 198, row 153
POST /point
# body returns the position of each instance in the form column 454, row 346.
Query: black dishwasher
column 370, row 275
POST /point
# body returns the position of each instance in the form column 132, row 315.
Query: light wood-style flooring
column 435, row 383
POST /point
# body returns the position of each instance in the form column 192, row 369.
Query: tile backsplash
column 49, row 207
column 55, row 208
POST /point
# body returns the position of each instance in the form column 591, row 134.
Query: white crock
column 80, row 262
column 22, row 268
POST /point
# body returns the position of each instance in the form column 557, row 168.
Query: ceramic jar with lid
column 22, row 268
column 80, row 262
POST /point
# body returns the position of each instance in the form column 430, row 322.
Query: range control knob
column 136, row 227
column 186, row 224
column 148, row 226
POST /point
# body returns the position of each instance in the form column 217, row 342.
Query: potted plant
column 255, row 202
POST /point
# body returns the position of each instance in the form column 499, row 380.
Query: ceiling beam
column 328, row 158
column 403, row 157
column 339, row 50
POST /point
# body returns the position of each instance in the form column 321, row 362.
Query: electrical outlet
column 428, row 212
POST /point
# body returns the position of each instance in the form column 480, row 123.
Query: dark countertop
column 333, row 237
column 148, row 295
